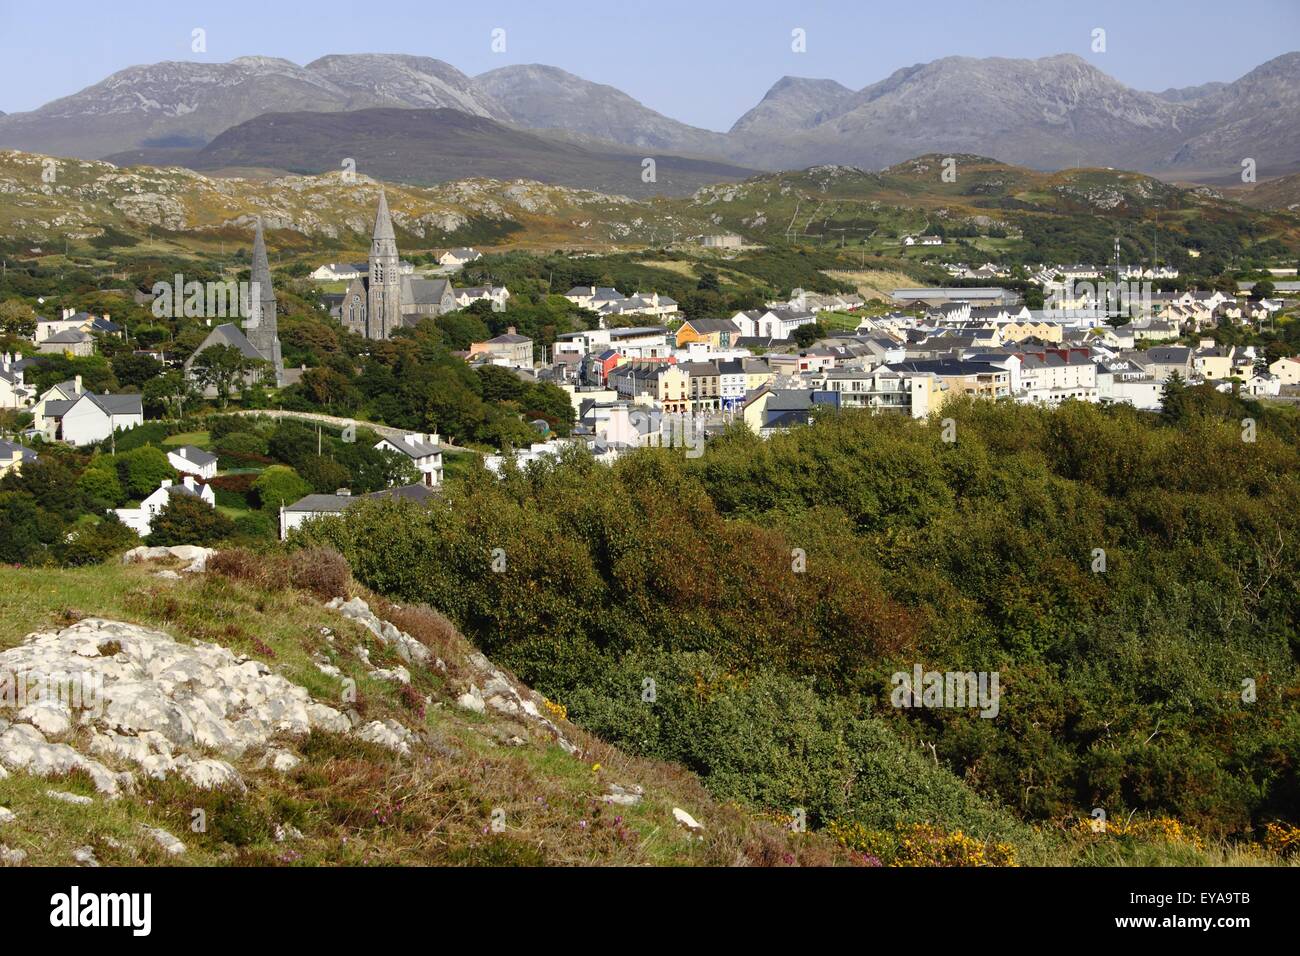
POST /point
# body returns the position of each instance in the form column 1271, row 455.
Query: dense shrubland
column 1121, row 689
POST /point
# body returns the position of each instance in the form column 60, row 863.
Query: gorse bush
column 1123, row 576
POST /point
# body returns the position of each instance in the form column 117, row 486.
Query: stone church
column 384, row 300
column 259, row 339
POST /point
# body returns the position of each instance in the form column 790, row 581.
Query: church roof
column 230, row 334
column 423, row 291
column 383, row 222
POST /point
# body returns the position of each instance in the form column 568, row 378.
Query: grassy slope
column 356, row 803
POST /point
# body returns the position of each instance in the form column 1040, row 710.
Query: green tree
column 133, row 371
column 169, row 394
column 17, row 318
column 279, row 485
column 188, row 519
column 20, row 528
column 806, row 335
column 101, row 485
column 1174, row 401
column 88, row 544
column 143, row 469
column 219, row 367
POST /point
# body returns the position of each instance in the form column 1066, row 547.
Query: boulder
column 686, row 820
column 169, row 843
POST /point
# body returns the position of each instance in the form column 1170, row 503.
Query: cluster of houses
column 73, row 333
column 606, row 301
column 628, row 385
column 346, row 271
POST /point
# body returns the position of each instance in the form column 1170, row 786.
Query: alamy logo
column 948, row 689
column 82, row 690
column 206, row 300
column 73, row 909
column 1124, row 298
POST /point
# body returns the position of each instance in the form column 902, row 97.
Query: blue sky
column 704, row 62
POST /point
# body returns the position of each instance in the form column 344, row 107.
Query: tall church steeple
column 384, row 285
column 262, row 325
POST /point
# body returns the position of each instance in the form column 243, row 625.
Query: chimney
column 166, row 483
column 189, row 482
column 69, row 313
column 76, row 384
column 510, row 330
column 343, row 492
column 433, row 438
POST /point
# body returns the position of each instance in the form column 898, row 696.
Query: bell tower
column 384, row 286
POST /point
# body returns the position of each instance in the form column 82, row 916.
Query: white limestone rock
column 472, row 699
column 23, row 747
column 389, row 734
column 7, row 815
column 686, row 820
column 11, row 856
column 64, row 797
column 85, row 856
column 50, row 717
column 159, row 705
column 210, row 774
column 169, row 843
column 281, row 761
column 628, row 796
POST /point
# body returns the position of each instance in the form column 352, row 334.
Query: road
column 383, row 431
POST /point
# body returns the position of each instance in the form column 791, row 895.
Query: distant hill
column 998, row 209
column 1050, row 113
column 1282, row 193
column 1056, row 112
column 544, row 97
column 425, row 147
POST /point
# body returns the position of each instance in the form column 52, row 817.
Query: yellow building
column 12, row 457
column 1287, row 369
column 719, row 333
column 1029, row 329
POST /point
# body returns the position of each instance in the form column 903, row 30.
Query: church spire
column 383, row 223
column 262, row 326
column 261, row 272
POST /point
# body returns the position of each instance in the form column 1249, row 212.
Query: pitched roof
column 413, row 449
column 712, row 325
column 335, row 504
column 128, row 404
column 195, row 455
column 232, row 335
column 9, row 449
column 68, row 337
column 424, row 291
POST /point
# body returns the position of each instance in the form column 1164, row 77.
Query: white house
column 140, row 520
column 497, row 295
column 458, row 257
column 335, row 271
column 326, row 506
column 771, row 323
column 423, row 450
column 90, row 418
column 14, row 392
column 1287, row 369
column 189, row 460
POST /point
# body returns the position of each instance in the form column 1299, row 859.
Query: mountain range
column 1049, row 113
